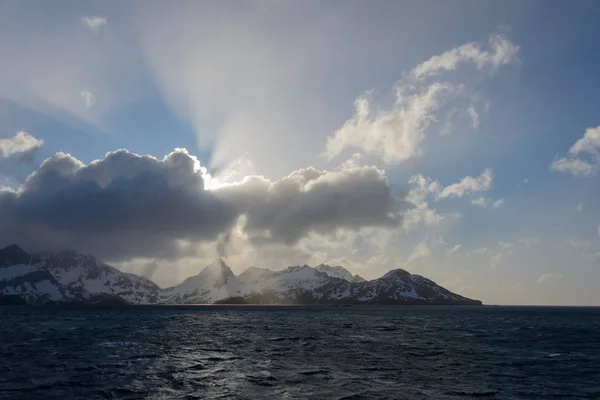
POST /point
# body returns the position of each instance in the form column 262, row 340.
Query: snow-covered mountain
column 66, row 276
column 335, row 272
column 307, row 285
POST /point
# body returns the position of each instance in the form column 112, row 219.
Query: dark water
column 299, row 352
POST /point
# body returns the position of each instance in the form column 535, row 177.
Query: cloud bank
column 126, row 205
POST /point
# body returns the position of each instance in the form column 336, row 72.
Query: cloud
column 469, row 185
column 454, row 249
column 94, row 22
column 474, row 115
column 575, row 166
column 396, row 133
column 483, row 202
column 480, row 202
column 313, row 200
column 573, row 163
column 480, row 250
column 549, row 277
column 126, row 205
column 422, row 188
column 22, row 143
column 88, row 99
column 420, row 251
column 502, row 52
column 589, row 143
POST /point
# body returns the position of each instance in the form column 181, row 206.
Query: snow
column 213, row 283
column 50, row 289
column 412, row 294
column 13, row 271
column 335, row 272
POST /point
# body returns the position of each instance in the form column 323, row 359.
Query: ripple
column 299, row 352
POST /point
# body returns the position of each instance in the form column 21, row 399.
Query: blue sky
column 268, row 88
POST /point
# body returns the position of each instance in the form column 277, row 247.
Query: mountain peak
column 219, row 261
column 335, row 272
column 396, row 273
column 13, row 254
column 217, row 269
column 11, row 248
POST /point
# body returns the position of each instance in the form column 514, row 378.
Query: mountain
column 307, row 285
column 335, row 272
column 210, row 285
column 68, row 277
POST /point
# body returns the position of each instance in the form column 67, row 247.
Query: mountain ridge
column 69, row 277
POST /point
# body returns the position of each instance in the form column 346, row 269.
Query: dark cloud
column 312, row 200
column 127, row 205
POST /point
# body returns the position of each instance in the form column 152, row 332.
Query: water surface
column 246, row 352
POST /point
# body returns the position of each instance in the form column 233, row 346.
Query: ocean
column 296, row 352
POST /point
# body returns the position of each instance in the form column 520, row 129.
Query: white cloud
column 94, row 22
column 483, row 202
column 480, row 202
column 420, row 251
column 22, row 142
column 474, row 116
column 579, row 207
column 573, row 163
column 396, row 133
column 575, row 166
column 469, row 185
column 88, row 99
column 549, row 277
column 454, row 249
column 423, row 187
column 356, row 160
column 502, row 52
column 590, row 142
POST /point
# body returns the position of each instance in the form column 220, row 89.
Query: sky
column 461, row 143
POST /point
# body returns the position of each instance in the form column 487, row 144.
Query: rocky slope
column 66, row 277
